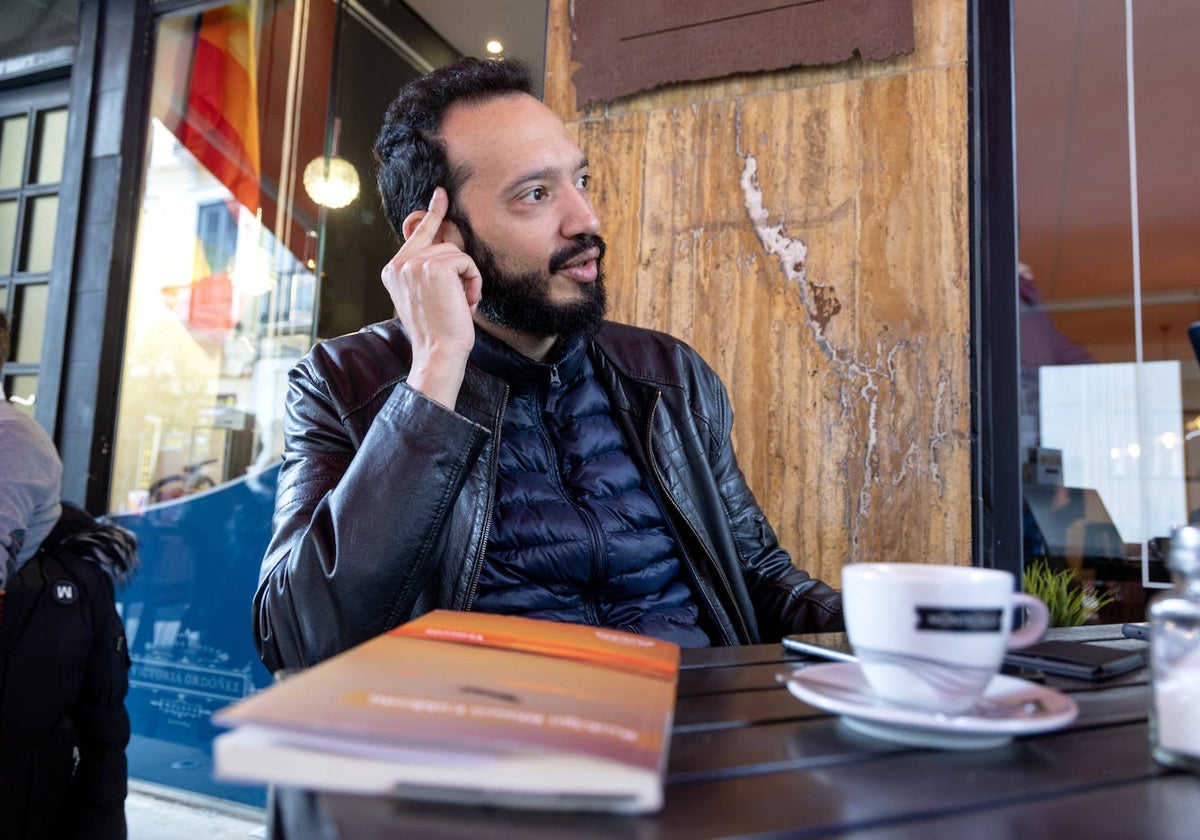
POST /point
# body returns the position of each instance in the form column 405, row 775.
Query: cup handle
column 1037, row 619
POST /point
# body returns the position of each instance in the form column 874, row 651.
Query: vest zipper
column 599, row 566
column 662, row 486
column 552, row 394
column 493, row 468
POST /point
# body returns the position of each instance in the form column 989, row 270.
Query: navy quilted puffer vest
column 577, row 535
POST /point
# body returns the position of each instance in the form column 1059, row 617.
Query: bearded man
column 499, row 446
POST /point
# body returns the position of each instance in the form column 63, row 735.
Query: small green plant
column 1070, row 604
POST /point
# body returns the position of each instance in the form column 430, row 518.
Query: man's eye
column 537, row 194
column 584, row 182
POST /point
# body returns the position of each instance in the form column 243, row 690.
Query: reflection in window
column 221, row 303
column 1126, row 450
column 1109, row 226
column 204, row 371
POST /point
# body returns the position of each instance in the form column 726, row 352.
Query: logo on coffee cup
column 959, row 621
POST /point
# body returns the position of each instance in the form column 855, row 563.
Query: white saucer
column 1026, row 708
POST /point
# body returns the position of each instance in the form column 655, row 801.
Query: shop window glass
column 237, row 269
column 1107, row 175
column 203, row 378
column 225, row 297
column 38, row 253
column 211, row 332
column 14, row 131
column 51, row 146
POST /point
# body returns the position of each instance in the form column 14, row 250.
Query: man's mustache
column 580, row 245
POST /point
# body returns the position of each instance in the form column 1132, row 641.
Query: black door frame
column 995, row 348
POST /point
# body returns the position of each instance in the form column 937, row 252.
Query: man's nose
column 580, row 217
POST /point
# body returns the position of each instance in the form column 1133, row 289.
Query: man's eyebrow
column 541, row 175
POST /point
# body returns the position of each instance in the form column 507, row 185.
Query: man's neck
column 534, row 347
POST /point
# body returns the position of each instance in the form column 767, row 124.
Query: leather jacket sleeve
column 365, row 492
column 785, row 598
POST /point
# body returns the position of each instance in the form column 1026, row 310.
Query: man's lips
column 583, row 267
column 590, row 255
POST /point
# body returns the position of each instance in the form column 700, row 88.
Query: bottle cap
column 1185, row 550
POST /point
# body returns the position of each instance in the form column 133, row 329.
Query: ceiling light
column 494, row 47
column 331, row 181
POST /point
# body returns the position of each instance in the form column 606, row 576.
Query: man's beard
column 521, row 301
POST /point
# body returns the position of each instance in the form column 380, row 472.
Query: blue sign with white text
column 187, row 618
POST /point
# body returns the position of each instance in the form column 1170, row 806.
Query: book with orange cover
column 469, row 707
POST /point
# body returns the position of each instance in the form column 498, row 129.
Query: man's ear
column 410, row 223
column 448, row 232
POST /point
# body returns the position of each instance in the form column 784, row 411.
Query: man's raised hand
column 435, row 288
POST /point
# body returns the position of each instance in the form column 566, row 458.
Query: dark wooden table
column 750, row 760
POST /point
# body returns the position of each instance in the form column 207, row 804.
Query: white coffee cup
column 933, row 636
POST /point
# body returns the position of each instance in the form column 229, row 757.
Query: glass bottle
column 1174, row 618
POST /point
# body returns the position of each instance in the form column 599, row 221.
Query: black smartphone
column 1136, row 630
column 1081, row 660
column 800, row 644
column 838, row 649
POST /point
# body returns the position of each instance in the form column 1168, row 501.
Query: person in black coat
column 64, row 674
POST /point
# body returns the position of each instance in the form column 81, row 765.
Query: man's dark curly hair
column 410, row 154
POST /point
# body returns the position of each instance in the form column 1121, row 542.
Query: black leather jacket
column 385, row 497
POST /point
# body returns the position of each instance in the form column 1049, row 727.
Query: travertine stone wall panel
column 806, row 231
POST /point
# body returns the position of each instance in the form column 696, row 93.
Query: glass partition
column 223, row 282
column 233, row 259
column 237, row 268
column 1109, row 241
